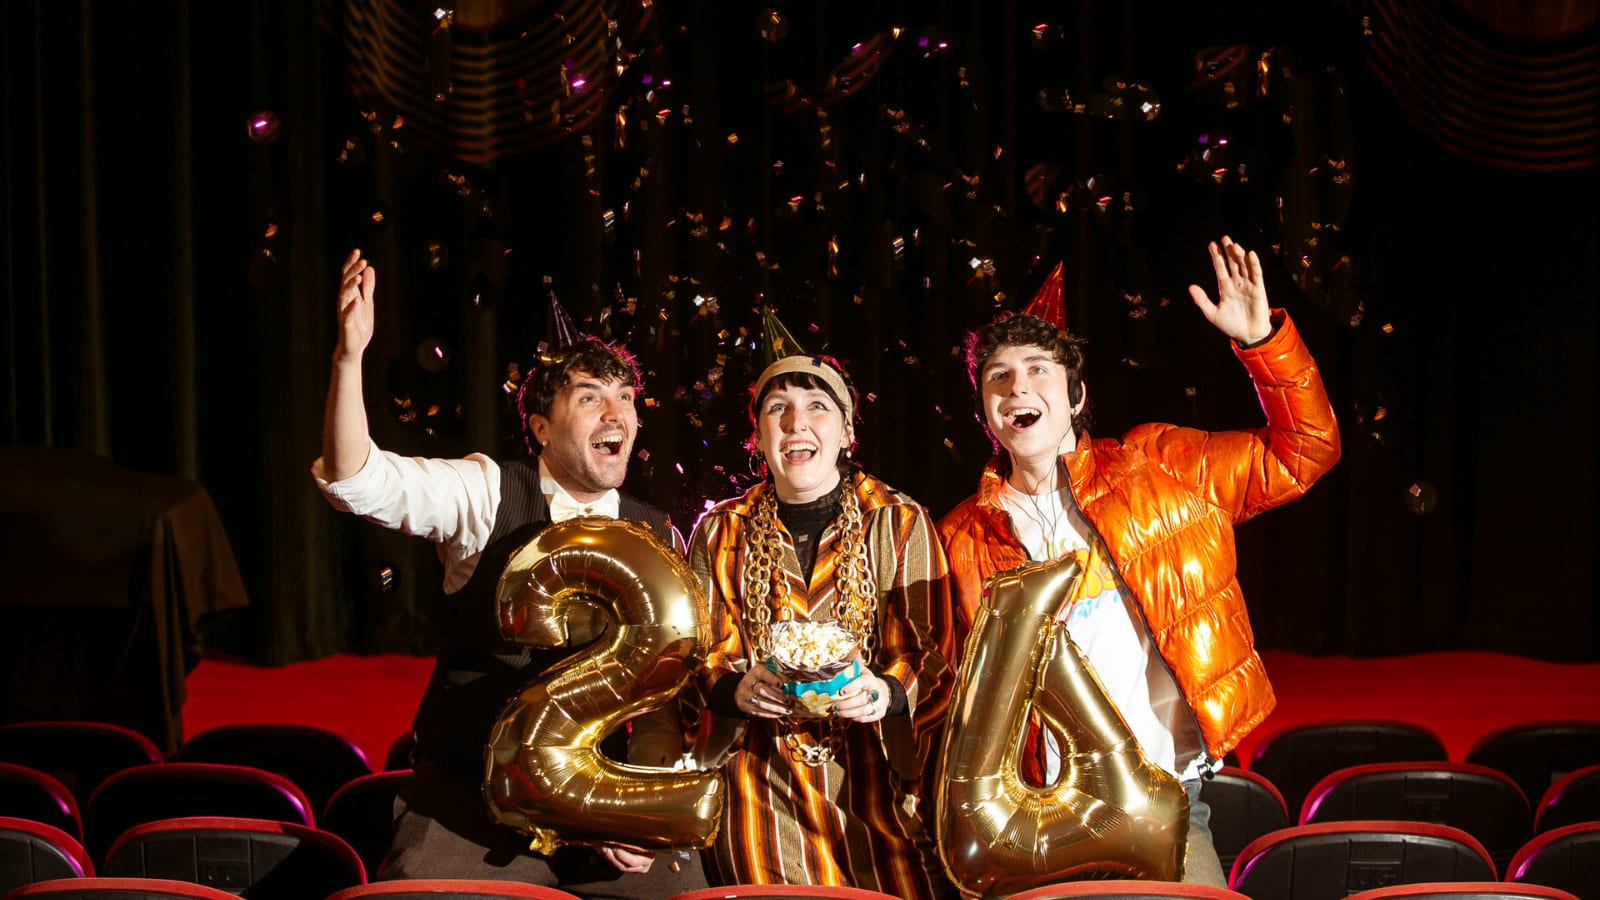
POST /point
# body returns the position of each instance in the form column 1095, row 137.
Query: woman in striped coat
column 823, row 800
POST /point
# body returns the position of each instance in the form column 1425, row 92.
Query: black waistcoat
column 477, row 671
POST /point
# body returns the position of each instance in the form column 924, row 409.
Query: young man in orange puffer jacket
column 1158, row 612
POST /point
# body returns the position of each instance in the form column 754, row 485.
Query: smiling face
column 802, row 433
column 1028, row 405
column 588, row 434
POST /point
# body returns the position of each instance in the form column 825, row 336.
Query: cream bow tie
column 563, row 507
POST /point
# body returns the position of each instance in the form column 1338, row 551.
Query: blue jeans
column 1200, row 863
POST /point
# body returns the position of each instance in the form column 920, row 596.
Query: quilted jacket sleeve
column 1249, row 472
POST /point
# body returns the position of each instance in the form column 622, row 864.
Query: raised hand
column 1241, row 311
column 357, row 282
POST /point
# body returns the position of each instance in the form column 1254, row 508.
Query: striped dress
column 852, row 822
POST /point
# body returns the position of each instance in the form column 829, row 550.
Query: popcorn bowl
column 816, row 659
column 816, row 698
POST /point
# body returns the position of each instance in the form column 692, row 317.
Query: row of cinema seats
column 1306, row 777
column 266, row 860
column 167, row 889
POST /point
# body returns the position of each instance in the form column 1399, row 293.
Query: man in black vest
column 579, row 410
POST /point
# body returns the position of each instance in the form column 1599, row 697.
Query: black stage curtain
column 169, row 280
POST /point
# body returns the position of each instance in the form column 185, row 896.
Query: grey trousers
column 1200, row 862
column 442, row 830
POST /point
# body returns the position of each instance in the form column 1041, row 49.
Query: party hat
column 780, row 342
column 561, row 327
column 563, row 334
column 1047, row 303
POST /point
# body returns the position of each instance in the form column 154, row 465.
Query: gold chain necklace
column 766, row 586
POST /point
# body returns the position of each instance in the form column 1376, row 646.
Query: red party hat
column 1047, row 303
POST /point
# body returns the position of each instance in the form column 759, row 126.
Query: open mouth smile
column 1022, row 417
column 799, row 453
column 609, row 445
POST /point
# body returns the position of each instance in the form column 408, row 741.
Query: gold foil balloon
column 544, row 774
column 1109, row 813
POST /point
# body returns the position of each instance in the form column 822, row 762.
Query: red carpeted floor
column 1459, row 695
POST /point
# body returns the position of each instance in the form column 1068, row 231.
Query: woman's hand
column 866, row 699
column 760, row 694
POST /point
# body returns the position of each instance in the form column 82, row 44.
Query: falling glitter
column 263, row 126
column 1421, row 498
column 772, row 25
column 433, row 355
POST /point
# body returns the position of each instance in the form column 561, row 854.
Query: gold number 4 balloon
column 1109, row 813
column 544, row 774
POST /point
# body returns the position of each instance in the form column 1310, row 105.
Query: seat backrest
column 317, row 760
column 260, row 859
column 451, row 889
column 79, row 754
column 1481, row 801
column 27, row 793
column 1573, row 799
column 786, row 891
column 1538, row 754
column 1298, row 756
column 1329, row 860
column 402, row 752
column 1567, row 858
column 362, row 813
column 32, row 851
column 1244, row 806
column 1128, row 890
column 120, row 889
column 1464, row 890
column 174, row 790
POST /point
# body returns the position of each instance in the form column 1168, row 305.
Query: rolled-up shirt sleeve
column 451, row 502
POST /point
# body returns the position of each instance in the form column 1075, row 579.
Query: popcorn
column 817, row 658
column 811, row 646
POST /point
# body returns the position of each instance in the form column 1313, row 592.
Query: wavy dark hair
column 1024, row 330
column 549, row 374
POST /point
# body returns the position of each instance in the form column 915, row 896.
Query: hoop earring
column 756, row 463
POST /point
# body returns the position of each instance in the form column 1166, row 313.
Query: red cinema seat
column 31, row 852
column 1481, row 801
column 1330, row 860
column 257, row 858
column 1298, row 756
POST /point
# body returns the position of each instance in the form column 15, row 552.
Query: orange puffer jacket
column 1165, row 500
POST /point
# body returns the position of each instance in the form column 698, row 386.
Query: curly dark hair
column 1024, row 331
column 546, row 377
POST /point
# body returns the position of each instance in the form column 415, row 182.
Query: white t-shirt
column 1111, row 633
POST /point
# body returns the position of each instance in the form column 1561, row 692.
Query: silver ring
column 752, row 699
column 873, row 696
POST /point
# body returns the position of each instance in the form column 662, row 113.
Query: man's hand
column 1241, row 311
column 628, row 859
column 356, row 285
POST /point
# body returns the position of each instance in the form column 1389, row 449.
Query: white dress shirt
column 451, row 502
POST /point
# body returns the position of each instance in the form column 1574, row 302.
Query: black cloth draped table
column 105, row 578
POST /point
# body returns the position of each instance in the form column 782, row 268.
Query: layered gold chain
column 766, row 587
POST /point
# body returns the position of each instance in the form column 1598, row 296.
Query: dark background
column 170, row 277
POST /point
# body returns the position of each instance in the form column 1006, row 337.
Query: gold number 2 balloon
column 1109, row 813
column 544, row 774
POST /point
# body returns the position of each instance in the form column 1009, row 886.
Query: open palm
column 1241, row 311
